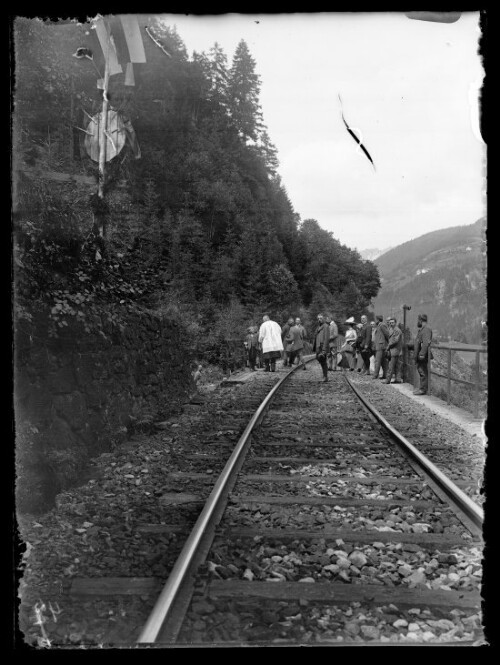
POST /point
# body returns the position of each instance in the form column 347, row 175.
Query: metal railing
column 478, row 384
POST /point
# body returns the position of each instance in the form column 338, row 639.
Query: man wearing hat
column 332, row 344
column 394, row 350
column 421, row 347
column 365, row 342
column 320, row 344
column 381, row 338
column 252, row 346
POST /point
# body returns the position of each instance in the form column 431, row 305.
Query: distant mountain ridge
column 441, row 273
column 373, row 253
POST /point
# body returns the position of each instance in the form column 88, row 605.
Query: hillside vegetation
column 199, row 226
column 443, row 274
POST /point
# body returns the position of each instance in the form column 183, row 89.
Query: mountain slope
column 373, row 253
column 442, row 274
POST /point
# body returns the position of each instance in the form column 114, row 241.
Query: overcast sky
column 409, row 87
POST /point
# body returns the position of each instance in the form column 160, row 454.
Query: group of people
column 377, row 347
column 373, row 348
column 271, row 342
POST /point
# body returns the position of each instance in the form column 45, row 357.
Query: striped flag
column 121, row 44
column 133, row 38
column 108, row 46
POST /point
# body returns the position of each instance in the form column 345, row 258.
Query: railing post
column 476, row 387
column 449, row 375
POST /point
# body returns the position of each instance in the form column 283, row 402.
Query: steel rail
column 468, row 507
column 165, row 601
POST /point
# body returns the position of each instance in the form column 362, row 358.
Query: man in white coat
column 270, row 341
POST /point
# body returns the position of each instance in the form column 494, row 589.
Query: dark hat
column 422, row 317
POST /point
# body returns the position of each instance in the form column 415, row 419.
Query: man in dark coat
column 320, row 344
column 286, row 344
column 421, row 346
column 365, row 343
column 252, row 346
column 298, row 323
column 394, row 349
column 332, row 344
column 297, row 333
column 381, row 337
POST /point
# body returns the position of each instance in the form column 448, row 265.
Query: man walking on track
column 365, row 343
column 270, row 341
column 421, row 347
column 320, row 345
column 394, row 348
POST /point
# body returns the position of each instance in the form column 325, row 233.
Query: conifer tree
column 244, row 89
column 266, row 148
column 219, row 75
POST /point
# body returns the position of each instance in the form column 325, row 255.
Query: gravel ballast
column 94, row 530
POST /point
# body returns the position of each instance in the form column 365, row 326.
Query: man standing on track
column 296, row 332
column 298, row 323
column 421, row 347
column 372, row 347
column 365, row 343
column 381, row 337
column 284, row 335
column 394, row 349
column 270, row 341
column 320, row 345
column 332, row 344
column 252, row 347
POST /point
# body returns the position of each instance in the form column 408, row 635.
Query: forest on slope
column 198, row 224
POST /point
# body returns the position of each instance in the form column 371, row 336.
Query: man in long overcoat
column 332, row 344
column 380, row 339
column 421, row 346
column 365, row 343
column 285, row 338
column 320, row 344
column 296, row 333
column 270, row 341
column 394, row 349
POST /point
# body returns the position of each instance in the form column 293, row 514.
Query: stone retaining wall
column 78, row 394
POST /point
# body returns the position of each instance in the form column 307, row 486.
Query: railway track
column 323, row 531
column 324, row 527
